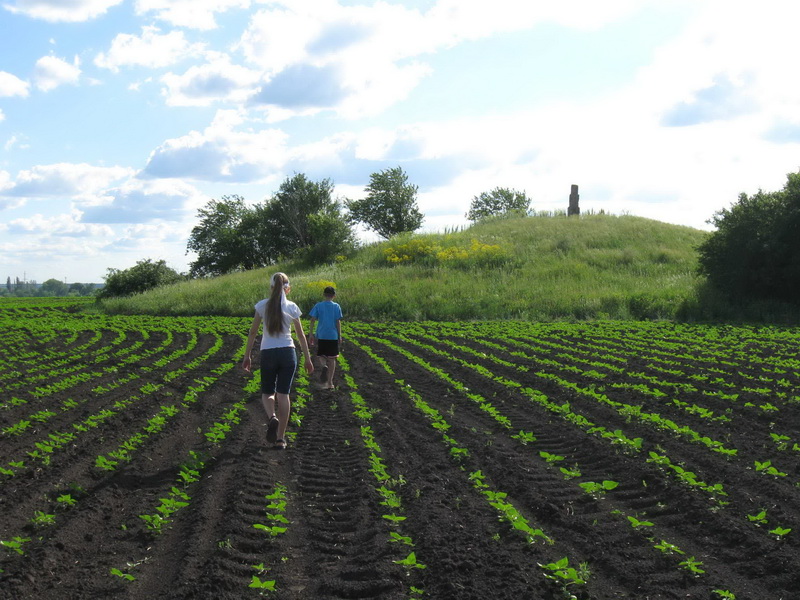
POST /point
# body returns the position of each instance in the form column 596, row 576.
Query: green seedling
column 126, row 576
column 458, row 453
column 394, row 518
column 551, row 458
column 42, row 519
column 410, row 562
column 154, row 522
column 724, row 594
column 278, row 519
column 782, row 441
column 597, row 489
column 271, row 530
column 759, row 519
column 188, row 475
column 767, row 468
column 525, row 437
column 267, row 584
column 390, row 497
column 636, row 523
column 103, row 463
column 668, row 548
column 67, row 500
column 403, row 539
column 476, row 477
column 565, row 576
column 780, row 532
column 15, row 544
column 570, row 473
column 692, row 565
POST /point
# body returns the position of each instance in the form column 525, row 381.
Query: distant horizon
column 38, row 283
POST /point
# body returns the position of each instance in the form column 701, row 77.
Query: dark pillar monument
column 573, row 209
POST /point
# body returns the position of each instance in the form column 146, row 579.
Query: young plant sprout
column 565, row 576
column 410, row 562
column 126, row 576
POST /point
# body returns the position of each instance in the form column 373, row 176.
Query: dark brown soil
column 337, row 542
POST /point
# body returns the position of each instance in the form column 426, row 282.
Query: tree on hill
column 302, row 220
column 755, row 251
column 499, row 201
column 145, row 275
column 307, row 222
column 390, row 206
column 218, row 239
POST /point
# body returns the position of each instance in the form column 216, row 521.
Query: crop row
column 454, row 355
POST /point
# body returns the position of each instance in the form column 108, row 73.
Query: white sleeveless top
column 284, row 338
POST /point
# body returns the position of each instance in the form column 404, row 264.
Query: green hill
column 539, row 268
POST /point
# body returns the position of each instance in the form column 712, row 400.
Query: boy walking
column 328, row 336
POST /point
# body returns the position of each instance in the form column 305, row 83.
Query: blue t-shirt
column 327, row 313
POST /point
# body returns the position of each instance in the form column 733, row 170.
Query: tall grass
column 541, row 267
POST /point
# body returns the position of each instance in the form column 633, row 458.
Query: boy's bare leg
column 330, row 362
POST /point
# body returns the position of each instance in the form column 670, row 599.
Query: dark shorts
column 329, row 348
column 278, row 366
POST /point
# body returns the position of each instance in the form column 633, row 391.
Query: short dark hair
column 329, row 291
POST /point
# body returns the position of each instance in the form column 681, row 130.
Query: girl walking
column 278, row 355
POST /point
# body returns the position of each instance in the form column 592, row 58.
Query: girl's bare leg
column 268, row 400
column 284, row 407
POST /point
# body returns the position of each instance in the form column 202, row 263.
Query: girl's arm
column 301, row 337
column 251, row 337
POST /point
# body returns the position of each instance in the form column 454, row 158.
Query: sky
column 120, row 119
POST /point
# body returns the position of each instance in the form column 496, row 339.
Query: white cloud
column 360, row 60
column 319, row 55
column 151, row 49
column 138, row 201
column 63, row 179
column 750, row 52
column 215, row 81
column 15, row 141
column 50, row 72
column 11, row 85
column 71, row 11
column 8, row 202
column 451, row 21
column 222, row 152
column 194, row 14
column 59, row 225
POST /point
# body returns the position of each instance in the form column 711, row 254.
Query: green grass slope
column 540, row 268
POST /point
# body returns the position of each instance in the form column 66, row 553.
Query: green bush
column 146, row 275
column 755, row 251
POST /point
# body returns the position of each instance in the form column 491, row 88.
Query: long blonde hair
column 278, row 285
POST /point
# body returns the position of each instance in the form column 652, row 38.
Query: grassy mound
column 538, row 268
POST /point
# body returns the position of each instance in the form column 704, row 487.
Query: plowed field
column 475, row 460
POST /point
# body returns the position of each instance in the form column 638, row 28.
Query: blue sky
column 119, row 119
